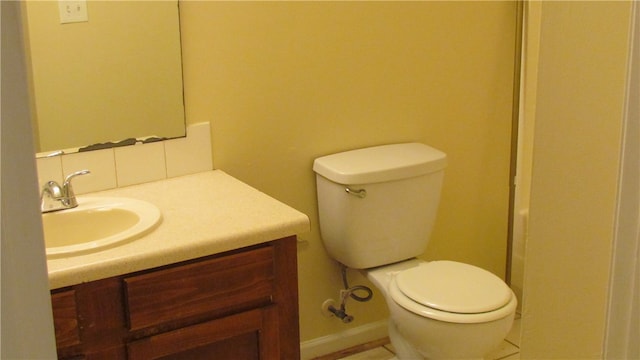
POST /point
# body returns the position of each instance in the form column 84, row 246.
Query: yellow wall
column 581, row 79
column 285, row 82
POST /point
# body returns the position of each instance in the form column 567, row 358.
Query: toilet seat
column 453, row 292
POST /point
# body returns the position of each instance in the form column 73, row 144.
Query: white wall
column 526, row 125
column 623, row 327
column 582, row 77
column 27, row 328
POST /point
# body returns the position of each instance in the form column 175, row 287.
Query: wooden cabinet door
column 249, row 335
column 65, row 318
column 237, row 305
column 210, row 288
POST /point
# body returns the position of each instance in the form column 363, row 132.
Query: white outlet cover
column 73, row 11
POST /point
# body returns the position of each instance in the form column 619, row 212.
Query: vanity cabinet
column 242, row 304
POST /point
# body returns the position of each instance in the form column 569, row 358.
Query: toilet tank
column 378, row 205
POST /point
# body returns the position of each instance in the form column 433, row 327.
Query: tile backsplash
column 135, row 164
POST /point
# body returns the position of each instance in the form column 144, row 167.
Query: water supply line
column 346, row 293
column 340, row 312
column 353, row 289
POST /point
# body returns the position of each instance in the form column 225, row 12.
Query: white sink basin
column 97, row 223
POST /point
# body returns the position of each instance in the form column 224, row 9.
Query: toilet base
column 403, row 350
column 421, row 338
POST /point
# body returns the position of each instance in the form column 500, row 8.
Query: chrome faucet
column 55, row 197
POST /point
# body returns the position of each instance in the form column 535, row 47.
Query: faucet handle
column 55, row 197
column 67, row 189
column 67, row 180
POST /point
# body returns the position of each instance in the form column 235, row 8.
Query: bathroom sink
column 97, row 223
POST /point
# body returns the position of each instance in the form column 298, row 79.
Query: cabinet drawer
column 65, row 318
column 212, row 286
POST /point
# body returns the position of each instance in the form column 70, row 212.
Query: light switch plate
column 73, row 11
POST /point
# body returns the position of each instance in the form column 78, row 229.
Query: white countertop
column 202, row 214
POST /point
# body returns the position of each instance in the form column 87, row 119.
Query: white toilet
column 377, row 207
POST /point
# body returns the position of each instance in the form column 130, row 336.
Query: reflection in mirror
column 116, row 76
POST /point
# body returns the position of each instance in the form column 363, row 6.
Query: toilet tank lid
column 380, row 163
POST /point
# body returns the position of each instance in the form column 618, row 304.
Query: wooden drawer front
column 243, row 336
column 65, row 318
column 199, row 288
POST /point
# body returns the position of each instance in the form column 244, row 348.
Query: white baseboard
column 335, row 342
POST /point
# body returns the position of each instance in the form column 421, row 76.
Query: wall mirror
column 115, row 75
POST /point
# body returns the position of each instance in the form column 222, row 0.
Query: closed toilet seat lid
column 452, row 287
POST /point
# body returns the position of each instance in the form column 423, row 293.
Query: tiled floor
column 508, row 350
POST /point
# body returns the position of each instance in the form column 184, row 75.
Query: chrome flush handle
column 361, row 193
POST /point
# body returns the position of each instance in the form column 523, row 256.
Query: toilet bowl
column 436, row 314
column 377, row 207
